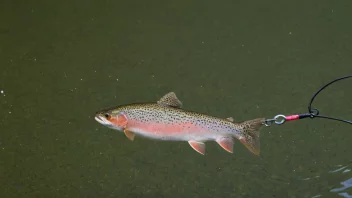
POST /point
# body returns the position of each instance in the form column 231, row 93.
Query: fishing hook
column 312, row 112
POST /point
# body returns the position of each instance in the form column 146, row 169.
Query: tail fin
column 250, row 133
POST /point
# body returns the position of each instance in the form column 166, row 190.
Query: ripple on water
column 345, row 185
column 342, row 189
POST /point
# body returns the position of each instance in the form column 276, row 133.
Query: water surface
column 62, row 61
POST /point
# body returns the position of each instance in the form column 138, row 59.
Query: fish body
column 167, row 120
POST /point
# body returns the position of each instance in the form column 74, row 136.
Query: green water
column 61, row 61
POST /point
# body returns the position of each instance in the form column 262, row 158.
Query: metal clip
column 279, row 119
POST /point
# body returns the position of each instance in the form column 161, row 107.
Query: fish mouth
column 102, row 120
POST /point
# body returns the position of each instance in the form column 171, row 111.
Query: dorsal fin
column 170, row 99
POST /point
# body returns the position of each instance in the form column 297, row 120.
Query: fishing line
column 312, row 112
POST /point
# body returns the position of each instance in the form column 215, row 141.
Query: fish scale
column 167, row 120
column 160, row 114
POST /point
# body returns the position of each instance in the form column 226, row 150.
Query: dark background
column 61, row 61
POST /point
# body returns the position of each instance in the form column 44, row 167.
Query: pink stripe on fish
column 161, row 128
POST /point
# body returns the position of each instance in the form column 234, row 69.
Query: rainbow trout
column 167, row 120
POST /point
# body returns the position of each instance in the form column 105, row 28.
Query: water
column 62, row 61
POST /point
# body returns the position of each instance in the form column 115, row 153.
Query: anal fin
column 197, row 146
column 130, row 135
column 226, row 143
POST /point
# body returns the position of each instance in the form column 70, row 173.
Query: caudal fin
column 250, row 134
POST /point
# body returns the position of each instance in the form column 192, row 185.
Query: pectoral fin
column 130, row 135
column 226, row 143
column 197, row 146
column 170, row 99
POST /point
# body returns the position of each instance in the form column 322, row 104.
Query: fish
column 167, row 120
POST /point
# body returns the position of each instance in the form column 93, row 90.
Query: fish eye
column 107, row 116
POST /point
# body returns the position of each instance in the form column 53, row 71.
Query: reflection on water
column 344, row 168
column 345, row 184
column 316, row 196
column 340, row 177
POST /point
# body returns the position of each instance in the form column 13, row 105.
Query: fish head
column 114, row 119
